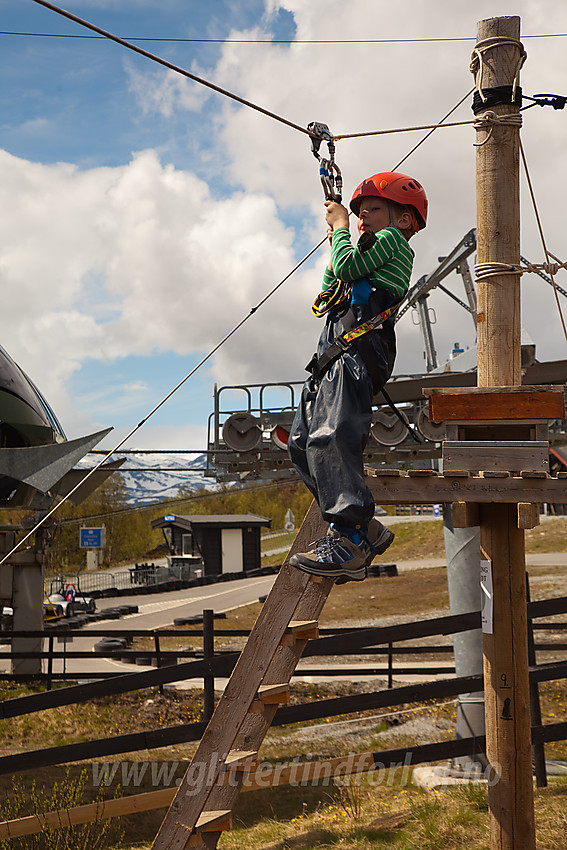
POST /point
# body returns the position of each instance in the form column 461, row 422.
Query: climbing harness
column 347, row 340
column 332, row 182
column 334, row 298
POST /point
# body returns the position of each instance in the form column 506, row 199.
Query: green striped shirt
column 387, row 264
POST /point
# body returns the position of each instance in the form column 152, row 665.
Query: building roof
column 220, row 520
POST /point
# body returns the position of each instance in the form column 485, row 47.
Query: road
column 156, row 611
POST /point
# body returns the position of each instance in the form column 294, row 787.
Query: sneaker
column 379, row 537
column 335, row 556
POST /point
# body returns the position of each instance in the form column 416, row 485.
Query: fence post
column 390, row 665
column 538, row 749
column 50, row 662
column 208, row 652
column 158, row 656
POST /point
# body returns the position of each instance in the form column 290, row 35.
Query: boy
column 332, row 422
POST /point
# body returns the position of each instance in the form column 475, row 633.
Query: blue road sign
column 92, row 538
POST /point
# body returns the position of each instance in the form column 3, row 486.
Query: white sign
column 289, row 520
column 487, row 613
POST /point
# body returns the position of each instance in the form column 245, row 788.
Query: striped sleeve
column 388, row 263
column 329, row 280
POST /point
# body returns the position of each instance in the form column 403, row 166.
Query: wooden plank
column 239, row 757
column 300, row 626
column 528, row 515
column 521, row 403
column 506, row 673
column 525, row 388
column 218, row 666
column 300, row 630
column 270, row 695
column 465, row 515
column 214, row 821
column 87, row 813
column 506, row 455
column 232, row 712
column 473, row 488
column 273, row 693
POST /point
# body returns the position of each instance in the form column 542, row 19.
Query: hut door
column 232, row 550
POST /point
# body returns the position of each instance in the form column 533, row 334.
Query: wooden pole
column 498, row 217
column 507, row 705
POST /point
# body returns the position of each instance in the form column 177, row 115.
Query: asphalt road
column 155, row 611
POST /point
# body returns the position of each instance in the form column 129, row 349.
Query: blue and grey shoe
column 379, row 538
column 335, row 556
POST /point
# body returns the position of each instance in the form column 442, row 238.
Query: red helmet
column 394, row 187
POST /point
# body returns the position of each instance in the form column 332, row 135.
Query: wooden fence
column 339, row 642
column 345, row 641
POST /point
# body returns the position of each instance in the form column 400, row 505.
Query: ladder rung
column 300, row 630
column 241, row 759
column 273, row 693
column 302, row 626
column 269, row 695
column 214, row 821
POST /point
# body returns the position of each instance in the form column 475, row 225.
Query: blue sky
column 141, row 215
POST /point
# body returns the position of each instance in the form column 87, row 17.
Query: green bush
column 66, row 794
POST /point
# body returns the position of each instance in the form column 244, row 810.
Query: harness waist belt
column 319, row 365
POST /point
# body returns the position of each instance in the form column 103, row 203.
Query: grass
column 361, row 816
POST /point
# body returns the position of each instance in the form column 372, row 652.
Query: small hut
column 222, row 543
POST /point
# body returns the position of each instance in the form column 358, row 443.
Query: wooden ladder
column 202, row 807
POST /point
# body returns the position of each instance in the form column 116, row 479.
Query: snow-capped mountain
column 149, row 477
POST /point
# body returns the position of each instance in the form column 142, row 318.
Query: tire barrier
column 382, row 570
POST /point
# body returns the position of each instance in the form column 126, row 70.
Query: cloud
column 105, row 263
column 111, row 262
column 159, row 92
column 156, row 438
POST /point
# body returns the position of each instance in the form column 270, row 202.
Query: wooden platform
column 394, row 486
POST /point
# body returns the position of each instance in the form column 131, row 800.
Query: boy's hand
column 336, row 215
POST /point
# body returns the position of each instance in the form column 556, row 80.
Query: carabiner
column 329, row 171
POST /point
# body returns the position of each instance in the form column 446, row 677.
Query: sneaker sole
column 313, row 569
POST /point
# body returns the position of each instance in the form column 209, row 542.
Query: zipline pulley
column 557, row 101
column 329, row 171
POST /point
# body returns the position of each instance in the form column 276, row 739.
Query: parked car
column 67, row 601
